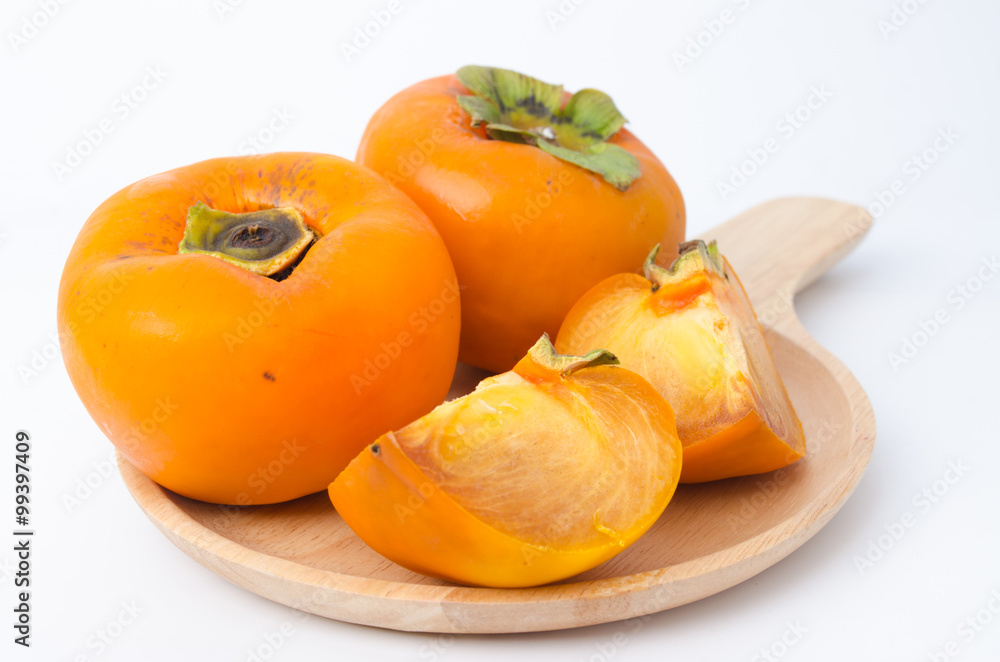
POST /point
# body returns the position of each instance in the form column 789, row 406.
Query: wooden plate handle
column 780, row 247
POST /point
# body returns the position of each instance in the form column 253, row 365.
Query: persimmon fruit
column 692, row 332
column 538, row 194
column 242, row 327
column 537, row 475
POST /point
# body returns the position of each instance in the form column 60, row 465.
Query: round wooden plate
column 711, row 536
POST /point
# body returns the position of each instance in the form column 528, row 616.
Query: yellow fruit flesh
column 528, row 480
column 392, row 505
column 697, row 340
column 540, row 462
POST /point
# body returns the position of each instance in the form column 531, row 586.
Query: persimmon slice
column 692, row 332
column 539, row 474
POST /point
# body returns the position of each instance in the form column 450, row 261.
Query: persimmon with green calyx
column 692, row 332
column 538, row 194
column 537, row 475
column 241, row 328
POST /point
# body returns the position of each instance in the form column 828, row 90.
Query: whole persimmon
column 538, row 194
column 240, row 328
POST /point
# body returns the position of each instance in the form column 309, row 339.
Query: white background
column 225, row 77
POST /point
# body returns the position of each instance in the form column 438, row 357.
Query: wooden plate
column 711, row 537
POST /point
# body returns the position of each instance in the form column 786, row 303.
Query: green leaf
column 479, row 109
column 510, row 134
column 479, row 80
column 526, row 94
column 521, row 109
column 618, row 167
column 593, row 113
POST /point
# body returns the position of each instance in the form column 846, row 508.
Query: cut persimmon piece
column 537, row 475
column 692, row 332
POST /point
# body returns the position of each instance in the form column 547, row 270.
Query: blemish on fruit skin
column 268, row 376
column 375, row 449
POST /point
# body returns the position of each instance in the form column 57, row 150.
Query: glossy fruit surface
column 539, row 474
column 234, row 387
column 692, row 332
column 529, row 228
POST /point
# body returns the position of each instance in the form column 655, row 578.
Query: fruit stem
column 520, row 109
column 263, row 242
column 544, row 354
column 659, row 276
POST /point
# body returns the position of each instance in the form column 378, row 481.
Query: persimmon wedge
column 692, row 332
column 537, row 475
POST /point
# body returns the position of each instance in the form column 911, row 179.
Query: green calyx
column 520, row 109
column 544, row 354
column 263, row 242
column 694, row 255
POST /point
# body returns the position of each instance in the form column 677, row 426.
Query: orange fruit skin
column 234, row 388
column 400, row 512
column 528, row 232
column 746, row 447
column 720, row 426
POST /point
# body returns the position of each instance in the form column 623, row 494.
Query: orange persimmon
column 537, row 475
column 240, row 328
column 538, row 195
column 691, row 331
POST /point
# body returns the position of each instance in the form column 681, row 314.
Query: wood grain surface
column 711, row 536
